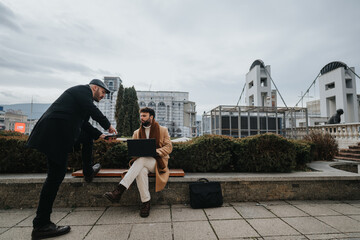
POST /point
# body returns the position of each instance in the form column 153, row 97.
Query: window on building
column 251, row 84
column 348, row 83
column 263, row 82
column 330, row 86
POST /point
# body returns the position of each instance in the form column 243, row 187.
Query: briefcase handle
column 203, row 180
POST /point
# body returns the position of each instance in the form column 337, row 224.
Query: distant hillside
column 40, row 108
column 37, row 111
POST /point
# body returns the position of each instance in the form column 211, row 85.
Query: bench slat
column 107, row 172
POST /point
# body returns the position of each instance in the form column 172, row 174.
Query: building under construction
column 243, row 121
column 261, row 115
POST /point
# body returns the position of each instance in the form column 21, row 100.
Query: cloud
column 202, row 47
column 8, row 19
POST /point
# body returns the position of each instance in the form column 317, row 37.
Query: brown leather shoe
column 145, row 209
column 115, row 195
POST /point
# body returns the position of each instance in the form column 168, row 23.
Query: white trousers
column 139, row 170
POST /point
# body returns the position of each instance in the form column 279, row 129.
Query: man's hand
column 102, row 136
column 112, row 129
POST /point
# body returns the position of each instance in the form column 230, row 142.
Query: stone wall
column 74, row 192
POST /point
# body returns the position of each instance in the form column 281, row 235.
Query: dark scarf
column 154, row 133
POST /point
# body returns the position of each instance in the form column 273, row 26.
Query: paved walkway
column 240, row 220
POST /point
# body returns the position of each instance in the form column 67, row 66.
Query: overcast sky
column 203, row 47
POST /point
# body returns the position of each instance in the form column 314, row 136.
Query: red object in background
column 19, row 127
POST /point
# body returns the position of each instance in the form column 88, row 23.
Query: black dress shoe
column 49, row 230
column 96, row 168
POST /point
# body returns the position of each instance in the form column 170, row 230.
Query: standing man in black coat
column 56, row 132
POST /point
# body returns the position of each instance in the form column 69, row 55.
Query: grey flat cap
column 100, row 83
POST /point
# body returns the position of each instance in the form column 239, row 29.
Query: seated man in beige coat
column 141, row 166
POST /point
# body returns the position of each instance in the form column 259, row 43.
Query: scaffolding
column 243, row 121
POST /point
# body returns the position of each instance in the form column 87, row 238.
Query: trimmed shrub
column 326, row 147
column 264, row 153
column 116, row 156
column 107, row 153
column 305, row 153
column 10, row 133
column 210, row 153
column 15, row 157
column 180, row 157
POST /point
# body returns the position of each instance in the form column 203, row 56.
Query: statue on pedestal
column 335, row 119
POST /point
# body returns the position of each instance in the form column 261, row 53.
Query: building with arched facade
column 172, row 110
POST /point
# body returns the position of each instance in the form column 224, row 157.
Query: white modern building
column 108, row 105
column 338, row 91
column 258, row 86
column 172, row 110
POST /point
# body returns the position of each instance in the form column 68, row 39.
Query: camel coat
column 164, row 151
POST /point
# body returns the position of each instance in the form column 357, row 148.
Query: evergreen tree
column 130, row 112
column 119, row 107
column 135, row 115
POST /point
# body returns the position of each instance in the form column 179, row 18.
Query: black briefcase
column 205, row 194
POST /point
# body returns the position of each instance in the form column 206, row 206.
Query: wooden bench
column 121, row 173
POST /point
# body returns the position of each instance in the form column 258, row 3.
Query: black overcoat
column 60, row 126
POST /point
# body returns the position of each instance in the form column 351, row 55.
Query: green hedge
column 210, row 153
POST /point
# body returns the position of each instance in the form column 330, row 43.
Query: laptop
column 141, row 147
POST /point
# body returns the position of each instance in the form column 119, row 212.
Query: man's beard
column 146, row 124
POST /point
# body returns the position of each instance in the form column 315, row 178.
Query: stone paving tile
column 76, row 232
column 356, row 217
column 352, row 202
column 241, row 204
column 188, row 214
column 273, row 203
column 81, row 218
column 222, row 213
column 353, row 235
column 341, row 223
column 309, row 225
column 160, row 206
column 102, row 232
column 272, row 227
column 115, row 215
column 233, row 229
column 9, row 219
column 180, row 206
column 3, row 230
column 300, row 202
column 344, row 208
column 317, row 210
column 296, row 237
column 254, row 212
column 326, row 201
column 326, row 236
column 55, row 217
column 155, row 231
column 18, row 233
column 89, row 209
column 286, row 211
column 200, row 230
column 16, row 210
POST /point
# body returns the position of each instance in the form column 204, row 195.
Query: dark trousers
column 56, row 172
column 87, row 143
column 55, row 175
